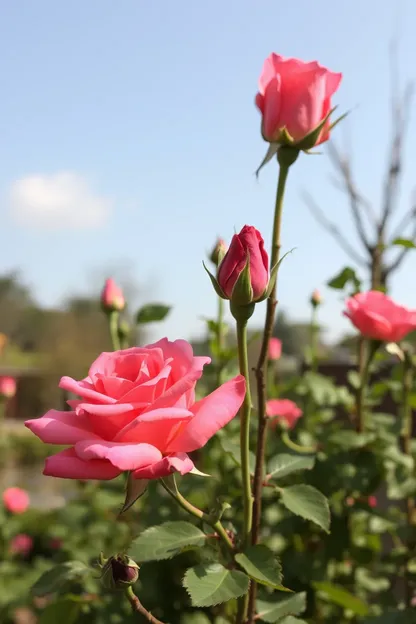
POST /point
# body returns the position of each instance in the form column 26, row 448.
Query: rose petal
column 67, row 465
column 180, row 462
column 57, row 427
column 122, row 456
column 210, row 414
column 84, row 390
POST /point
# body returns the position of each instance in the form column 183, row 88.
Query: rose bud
column 316, row 298
column 218, row 253
column 16, row 500
column 119, row 572
column 284, row 412
column 112, row 298
column 7, row 387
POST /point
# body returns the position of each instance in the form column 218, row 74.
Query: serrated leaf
column 166, row 541
column 262, row 565
column 59, row 576
column 273, row 611
column 340, row 596
column 152, row 313
column 212, row 584
column 285, row 464
column 307, row 502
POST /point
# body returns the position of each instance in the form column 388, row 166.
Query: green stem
column 220, row 340
column 407, row 426
column 367, row 351
column 245, row 413
column 113, row 324
column 314, row 339
column 137, row 607
column 286, row 157
column 198, row 513
column 296, row 447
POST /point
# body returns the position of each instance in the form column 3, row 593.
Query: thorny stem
column 137, row 607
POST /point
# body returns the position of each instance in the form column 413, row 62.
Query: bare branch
column 400, row 119
column 330, row 227
column 401, row 256
column 342, row 164
column 363, row 201
column 406, row 220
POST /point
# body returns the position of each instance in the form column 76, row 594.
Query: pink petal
column 180, row 462
column 67, row 465
column 57, row 427
column 122, row 456
column 84, row 390
column 211, row 414
column 156, row 427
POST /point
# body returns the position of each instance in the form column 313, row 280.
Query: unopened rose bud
column 7, row 387
column 119, row 572
column 316, row 298
column 112, row 298
column 275, row 348
column 219, row 251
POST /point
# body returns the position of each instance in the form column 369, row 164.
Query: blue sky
column 130, row 128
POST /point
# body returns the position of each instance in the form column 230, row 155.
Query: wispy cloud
column 60, row 200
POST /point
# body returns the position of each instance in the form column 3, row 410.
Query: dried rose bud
column 119, row 572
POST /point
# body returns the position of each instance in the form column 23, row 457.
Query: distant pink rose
column 21, row 544
column 284, row 411
column 16, row 500
column 247, row 245
column 372, row 501
column 7, row 387
column 316, row 298
column 378, row 317
column 137, row 413
column 56, row 543
column 350, row 501
column 112, row 298
column 275, row 348
column 295, row 96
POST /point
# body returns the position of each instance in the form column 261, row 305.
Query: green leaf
column 292, row 620
column 351, row 439
column 307, row 502
column 152, row 313
column 234, row 450
column 407, row 616
column 64, row 612
column 212, row 584
column 166, row 541
column 262, row 565
column 340, row 596
column 404, row 242
column 60, row 576
column 346, row 276
column 283, row 465
column 273, row 611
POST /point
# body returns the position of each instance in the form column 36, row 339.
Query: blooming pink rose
column 372, row 501
column 296, row 97
column 16, row 500
column 137, row 413
column 21, row 544
column 112, row 298
column 377, row 316
column 7, row 387
column 284, row 411
column 248, row 244
column 275, row 348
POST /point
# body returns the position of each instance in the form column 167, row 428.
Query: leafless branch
column 400, row 119
column 332, row 229
column 408, row 218
column 342, row 164
column 397, row 262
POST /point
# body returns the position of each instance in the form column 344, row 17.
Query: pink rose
column 247, row 245
column 16, row 500
column 7, row 387
column 137, row 413
column 21, row 544
column 378, row 317
column 112, row 298
column 295, row 97
column 275, row 348
column 372, row 501
column 316, row 298
column 284, row 411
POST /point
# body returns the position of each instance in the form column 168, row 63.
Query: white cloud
column 60, row 200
